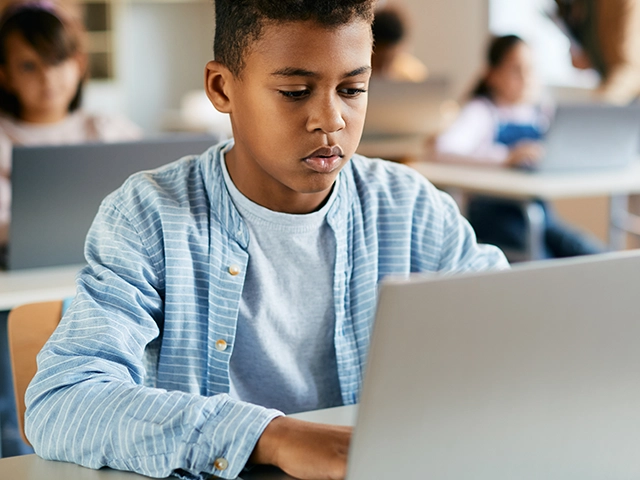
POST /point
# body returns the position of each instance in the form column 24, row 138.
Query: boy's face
column 297, row 111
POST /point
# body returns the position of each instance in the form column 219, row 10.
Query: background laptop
column 591, row 137
column 532, row 373
column 56, row 192
column 405, row 108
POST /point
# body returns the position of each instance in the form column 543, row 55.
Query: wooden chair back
column 29, row 327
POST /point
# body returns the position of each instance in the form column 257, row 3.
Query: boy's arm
column 453, row 237
column 87, row 403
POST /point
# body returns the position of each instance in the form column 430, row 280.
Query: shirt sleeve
column 89, row 402
column 471, row 137
column 442, row 240
column 460, row 250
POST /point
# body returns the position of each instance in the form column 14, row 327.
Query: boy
column 227, row 289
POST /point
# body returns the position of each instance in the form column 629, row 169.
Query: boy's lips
column 324, row 159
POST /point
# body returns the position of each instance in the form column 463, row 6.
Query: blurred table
column 37, row 285
column 527, row 187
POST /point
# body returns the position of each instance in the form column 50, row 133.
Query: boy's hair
column 239, row 23
column 55, row 36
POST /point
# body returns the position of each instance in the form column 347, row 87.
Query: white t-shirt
column 77, row 127
column 284, row 354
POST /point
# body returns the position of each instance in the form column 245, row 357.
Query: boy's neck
column 282, row 199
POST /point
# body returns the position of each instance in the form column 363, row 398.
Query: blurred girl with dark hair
column 42, row 72
column 503, row 124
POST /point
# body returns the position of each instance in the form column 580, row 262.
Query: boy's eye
column 294, row 94
column 352, row 92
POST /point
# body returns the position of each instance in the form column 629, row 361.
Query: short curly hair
column 239, row 23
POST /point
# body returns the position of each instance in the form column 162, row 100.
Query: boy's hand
column 305, row 450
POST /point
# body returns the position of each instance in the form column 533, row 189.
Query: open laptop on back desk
column 404, row 108
column 56, row 192
column 528, row 374
column 590, row 137
column 400, row 115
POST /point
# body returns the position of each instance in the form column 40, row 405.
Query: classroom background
column 148, row 57
column 148, row 60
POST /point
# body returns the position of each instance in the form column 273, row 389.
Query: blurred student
column 605, row 36
column 390, row 58
column 503, row 124
column 42, row 71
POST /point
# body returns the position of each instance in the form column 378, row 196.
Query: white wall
column 161, row 52
column 162, row 48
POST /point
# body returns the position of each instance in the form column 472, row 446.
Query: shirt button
column 221, row 345
column 221, row 463
column 234, row 270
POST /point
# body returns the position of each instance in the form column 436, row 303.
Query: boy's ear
column 217, row 83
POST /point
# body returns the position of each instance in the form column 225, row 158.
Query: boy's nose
column 326, row 116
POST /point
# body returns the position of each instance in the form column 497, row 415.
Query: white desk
column 32, row 467
column 526, row 187
column 37, row 285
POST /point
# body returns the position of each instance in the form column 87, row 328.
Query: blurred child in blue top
column 503, row 124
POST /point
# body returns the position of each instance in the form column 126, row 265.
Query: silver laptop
column 591, row 137
column 56, row 192
column 528, row 374
column 405, row 108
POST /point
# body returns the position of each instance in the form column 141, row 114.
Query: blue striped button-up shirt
column 136, row 377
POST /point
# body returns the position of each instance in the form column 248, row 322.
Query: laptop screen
column 56, row 192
